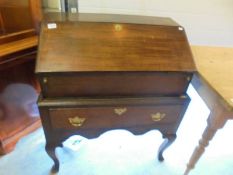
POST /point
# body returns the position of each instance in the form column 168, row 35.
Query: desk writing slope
column 114, row 46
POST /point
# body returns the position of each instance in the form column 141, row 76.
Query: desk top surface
column 215, row 65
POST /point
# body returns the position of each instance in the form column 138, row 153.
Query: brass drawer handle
column 120, row 111
column 158, row 116
column 76, row 121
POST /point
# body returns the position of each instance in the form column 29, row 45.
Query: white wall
column 53, row 4
column 207, row 22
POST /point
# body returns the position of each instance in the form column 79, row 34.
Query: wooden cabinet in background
column 19, row 26
column 18, row 15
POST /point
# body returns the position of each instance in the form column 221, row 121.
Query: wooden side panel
column 18, row 111
column 16, row 18
column 17, row 15
column 36, row 13
column 2, row 28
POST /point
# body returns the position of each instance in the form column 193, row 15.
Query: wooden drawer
column 110, row 117
column 118, row 113
column 115, row 84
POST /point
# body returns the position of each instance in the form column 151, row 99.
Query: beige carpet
column 119, row 152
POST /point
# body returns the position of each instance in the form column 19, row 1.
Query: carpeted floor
column 119, row 152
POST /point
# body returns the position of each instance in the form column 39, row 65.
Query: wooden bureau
column 102, row 72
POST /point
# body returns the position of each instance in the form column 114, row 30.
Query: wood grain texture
column 16, row 15
column 106, row 117
column 115, row 84
column 215, row 66
column 91, row 17
column 16, row 129
column 36, row 13
column 100, row 113
column 14, row 3
column 85, row 102
column 12, row 18
column 15, row 46
column 2, row 27
column 113, row 47
column 16, row 36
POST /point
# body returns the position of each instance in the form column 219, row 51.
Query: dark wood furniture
column 19, row 25
column 215, row 87
column 103, row 72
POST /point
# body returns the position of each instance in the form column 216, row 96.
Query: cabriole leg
column 167, row 142
column 50, row 149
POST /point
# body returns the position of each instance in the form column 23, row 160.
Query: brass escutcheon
column 120, row 111
column 118, row 27
column 45, row 80
column 76, row 121
column 188, row 78
column 158, row 116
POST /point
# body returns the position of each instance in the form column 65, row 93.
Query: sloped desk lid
column 114, row 43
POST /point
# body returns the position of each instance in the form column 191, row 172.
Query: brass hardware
column 118, row 27
column 157, row 117
column 76, row 121
column 183, row 96
column 188, row 78
column 120, row 111
column 45, row 80
column 180, row 28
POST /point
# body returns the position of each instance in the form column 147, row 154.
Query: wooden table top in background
column 215, row 66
